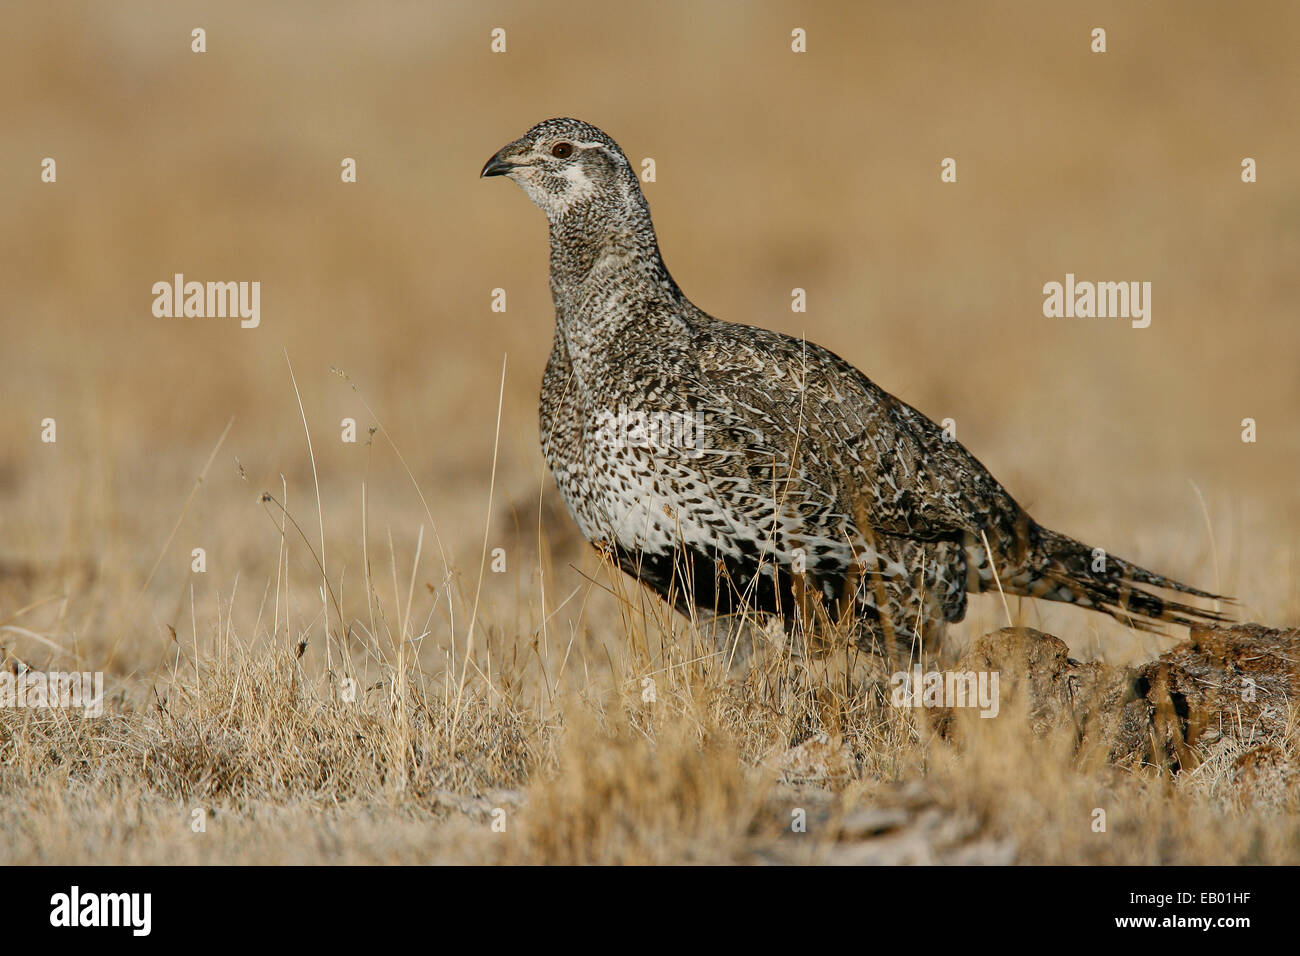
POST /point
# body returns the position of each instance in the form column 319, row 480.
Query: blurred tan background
column 774, row 170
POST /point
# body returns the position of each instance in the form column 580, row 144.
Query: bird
column 736, row 470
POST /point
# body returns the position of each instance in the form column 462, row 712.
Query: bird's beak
column 496, row 166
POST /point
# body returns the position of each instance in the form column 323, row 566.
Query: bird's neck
column 608, row 278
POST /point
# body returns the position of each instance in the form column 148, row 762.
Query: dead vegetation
column 800, row 762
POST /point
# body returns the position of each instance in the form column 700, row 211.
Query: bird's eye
column 562, row 150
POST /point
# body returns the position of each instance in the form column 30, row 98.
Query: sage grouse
column 733, row 468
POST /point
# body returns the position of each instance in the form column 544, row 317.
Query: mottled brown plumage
column 732, row 467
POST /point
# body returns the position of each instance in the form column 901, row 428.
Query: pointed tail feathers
column 1063, row 569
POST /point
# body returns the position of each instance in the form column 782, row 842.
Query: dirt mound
column 1226, row 690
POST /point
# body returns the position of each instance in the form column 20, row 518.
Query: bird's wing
column 793, row 410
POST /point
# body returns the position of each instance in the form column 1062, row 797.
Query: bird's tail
column 1062, row 569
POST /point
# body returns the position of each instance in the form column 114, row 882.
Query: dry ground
column 524, row 691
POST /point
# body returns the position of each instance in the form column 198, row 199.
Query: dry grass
column 282, row 768
column 227, row 687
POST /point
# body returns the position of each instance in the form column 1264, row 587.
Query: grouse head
column 563, row 164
